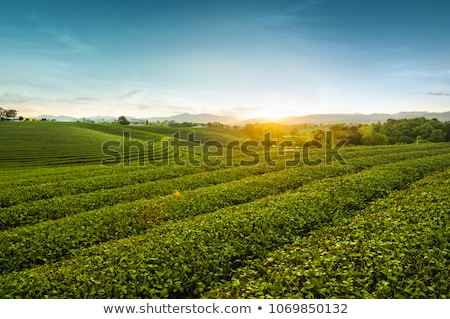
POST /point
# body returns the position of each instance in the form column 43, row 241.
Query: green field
column 72, row 227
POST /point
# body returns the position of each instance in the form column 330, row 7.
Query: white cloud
column 438, row 94
column 14, row 97
column 131, row 94
column 73, row 45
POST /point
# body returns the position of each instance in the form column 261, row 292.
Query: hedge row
column 62, row 206
column 47, row 242
column 397, row 248
column 20, row 195
column 183, row 259
column 45, row 183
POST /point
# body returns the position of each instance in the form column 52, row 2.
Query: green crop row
column 397, row 248
column 26, row 247
column 62, row 206
column 48, row 174
column 184, row 258
column 18, row 195
column 118, row 130
column 44, row 175
column 32, row 245
column 58, row 207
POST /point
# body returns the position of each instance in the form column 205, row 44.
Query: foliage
column 391, row 132
column 7, row 113
column 95, row 231
column 407, row 130
column 397, row 248
column 37, row 144
column 132, row 218
column 375, row 139
column 122, row 120
column 63, row 206
column 185, row 258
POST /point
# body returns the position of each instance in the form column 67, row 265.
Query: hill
column 48, row 143
column 281, row 227
column 196, row 118
column 354, row 118
column 313, row 118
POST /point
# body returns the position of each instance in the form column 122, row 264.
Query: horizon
column 256, row 59
column 229, row 120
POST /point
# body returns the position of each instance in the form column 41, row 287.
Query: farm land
column 183, row 217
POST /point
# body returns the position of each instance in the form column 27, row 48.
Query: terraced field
column 33, row 144
column 73, row 228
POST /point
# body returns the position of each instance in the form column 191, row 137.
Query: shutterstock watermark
column 214, row 153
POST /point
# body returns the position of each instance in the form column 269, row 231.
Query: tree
column 10, row 113
column 406, row 139
column 249, row 130
column 319, row 135
column 123, row 120
column 437, row 136
column 424, row 130
column 354, row 136
column 375, row 139
column 447, row 130
column 4, row 113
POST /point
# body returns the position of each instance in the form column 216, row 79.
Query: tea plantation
column 72, row 227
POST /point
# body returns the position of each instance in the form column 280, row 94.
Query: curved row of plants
column 17, row 195
column 36, row 176
column 56, row 175
column 26, row 247
column 397, row 248
column 62, row 206
column 118, row 130
column 185, row 258
column 58, row 207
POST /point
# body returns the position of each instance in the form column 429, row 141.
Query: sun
column 271, row 114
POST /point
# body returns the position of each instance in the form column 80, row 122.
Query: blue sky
column 235, row 58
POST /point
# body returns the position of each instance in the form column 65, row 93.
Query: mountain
column 196, row 118
column 60, row 118
column 179, row 118
column 354, row 118
column 103, row 118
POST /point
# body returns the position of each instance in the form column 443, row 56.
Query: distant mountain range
column 362, row 118
column 185, row 117
column 314, row 118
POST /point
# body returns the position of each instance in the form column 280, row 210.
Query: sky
column 242, row 58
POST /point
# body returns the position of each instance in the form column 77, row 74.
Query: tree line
column 404, row 131
column 4, row 113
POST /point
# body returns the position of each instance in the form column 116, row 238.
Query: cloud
column 14, row 97
column 72, row 44
column 438, row 94
column 48, row 39
column 131, row 94
column 244, row 109
column 159, row 105
column 21, row 99
column 85, row 99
